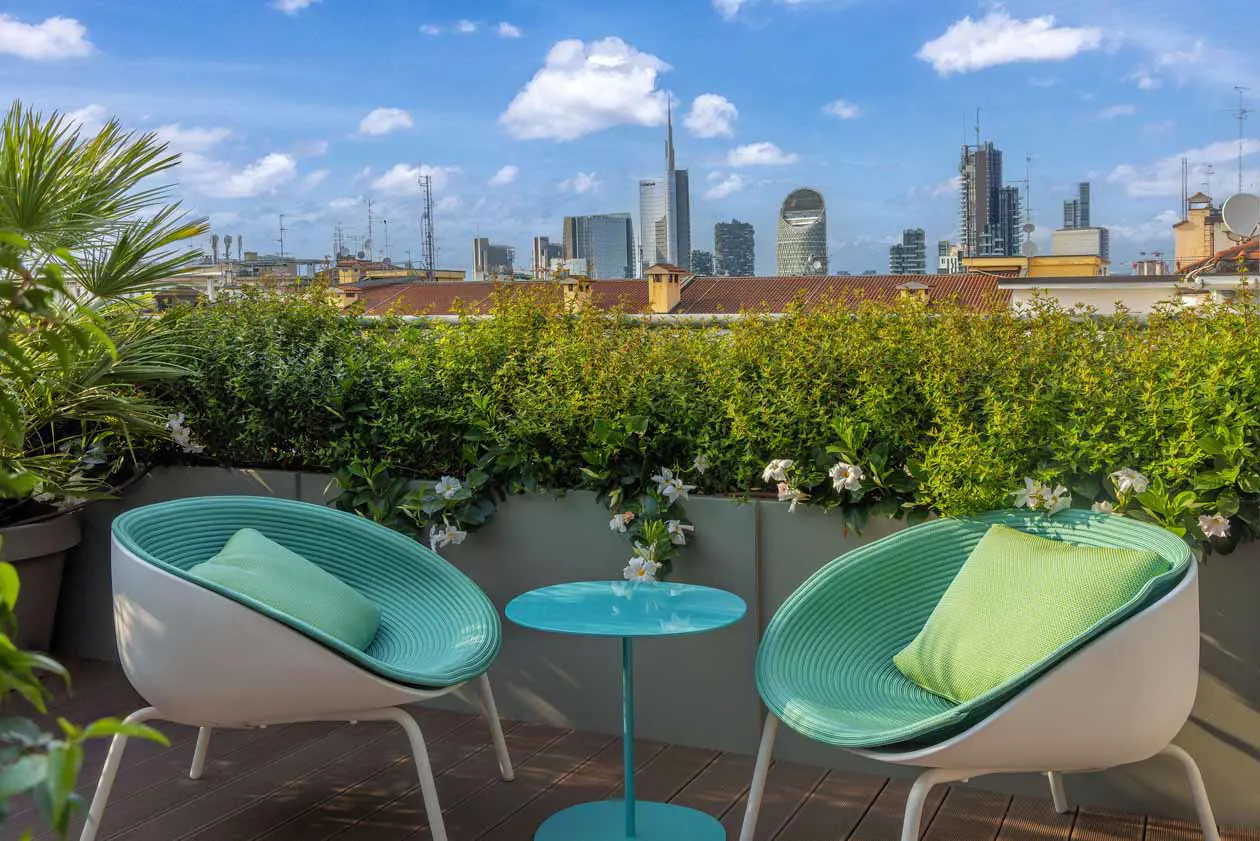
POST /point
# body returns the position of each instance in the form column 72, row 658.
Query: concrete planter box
column 38, row 553
column 700, row 690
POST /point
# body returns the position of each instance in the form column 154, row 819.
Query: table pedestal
column 618, row 820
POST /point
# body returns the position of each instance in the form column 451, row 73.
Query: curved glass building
column 803, row 234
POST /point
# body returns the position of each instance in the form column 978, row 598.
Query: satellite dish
column 1029, row 249
column 1241, row 214
column 1029, row 228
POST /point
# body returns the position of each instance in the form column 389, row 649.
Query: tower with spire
column 665, row 210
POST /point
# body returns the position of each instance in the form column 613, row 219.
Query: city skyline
column 566, row 116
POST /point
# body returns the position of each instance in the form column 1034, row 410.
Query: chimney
column 665, row 284
column 915, row 289
column 577, row 291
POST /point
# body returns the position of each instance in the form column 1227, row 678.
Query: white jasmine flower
column 1214, row 525
column 671, row 487
column 1057, row 500
column 1104, row 507
column 617, row 524
column 794, row 495
column 776, row 471
column 445, row 535
column 678, row 531
column 846, row 477
column 1128, row 479
column 640, row 570
column 701, row 464
column 1031, row 495
column 180, row 434
column 70, row 502
column 447, row 487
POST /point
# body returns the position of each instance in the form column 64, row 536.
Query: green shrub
column 960, row 406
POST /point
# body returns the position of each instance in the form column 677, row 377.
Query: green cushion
column 1017, row 601
column 261, row 570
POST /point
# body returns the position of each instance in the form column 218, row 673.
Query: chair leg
column 1207, row 821
column 912, row 825
column 1057, row 792
column 199, row 754
column 112, row 760
column 758, row 788
column 491, row 713
column 428, row 788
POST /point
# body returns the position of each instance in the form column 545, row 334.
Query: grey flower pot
column 38, row 551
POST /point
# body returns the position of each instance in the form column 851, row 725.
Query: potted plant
column 84, row 239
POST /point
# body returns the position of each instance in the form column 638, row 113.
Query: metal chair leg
column 491, row 713
column 758, row 788
column 109, row 772
column 1202, row 806
column 199, row 754
column 1057, row 792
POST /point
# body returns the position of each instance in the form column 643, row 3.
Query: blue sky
column 528, row 110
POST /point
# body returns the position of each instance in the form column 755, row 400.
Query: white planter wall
column 699, row 690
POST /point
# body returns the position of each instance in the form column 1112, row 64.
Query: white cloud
column 264, row 175
column 997, row 38
column 193, row 138
column 89, row 119
column 504, row 176
column 507, row 30
column 711, row 116
column 430, row 29
column 312, row 148
column 466, row 27
column 54, row 39
column 1163, row 177
column 403, row 179
column 384, row 120
column 584, row 88
column 1145, row 81
column 732, row 183
column 728, row 8
column 292, row 7
column 1113, row 111
column 1156, row 228
column 316, row 178
column 842, row 109
column 343, row 203
column 583, row 182
column 446, row 203
column 948, row 187
column 760, row 154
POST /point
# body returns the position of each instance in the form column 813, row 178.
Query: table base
column 606, row 821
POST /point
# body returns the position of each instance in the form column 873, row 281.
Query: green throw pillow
column 258, row 568
column 1017, row 600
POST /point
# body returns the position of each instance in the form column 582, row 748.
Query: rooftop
column 309, row 782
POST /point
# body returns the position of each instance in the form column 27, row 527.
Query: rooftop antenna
column 1209, row 171
column 282, row 230
column 1241, row 116
column 385, row 222
column 977, row 127
column 367, row 243
column 427, row 251
column 1185, row 188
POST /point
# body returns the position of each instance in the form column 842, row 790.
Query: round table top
column 625, row 609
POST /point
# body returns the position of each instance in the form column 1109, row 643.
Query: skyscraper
column 910, row 256
column 490, row 261
column 1076, row 211
column 991, row 214
column 734, row 249
column 702, row 263
column 605, row 241
column 948, row 258
column 802, row 245
column 665, row 213
column 544, row 252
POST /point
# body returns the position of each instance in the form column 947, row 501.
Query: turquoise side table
column 629, row 611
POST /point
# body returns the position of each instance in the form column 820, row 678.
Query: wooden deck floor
column 312, row 782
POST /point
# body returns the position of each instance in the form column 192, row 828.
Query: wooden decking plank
column 883, row 820
column 183, row 805
column 491, row 806
column 1240, row 834
column 1034, row 819
column 668, row 773
column 788, row 787
column 968, row 814
column 376, row 747
column 1167, row 829
column 595, row 779
column 718, row 787
column 1106, row 825
column 391, row 806
column 833, row 809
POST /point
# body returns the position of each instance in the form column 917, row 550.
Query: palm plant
column 83, row 214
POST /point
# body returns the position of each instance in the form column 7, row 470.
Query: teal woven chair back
column 437, row 627
column 825, row 663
